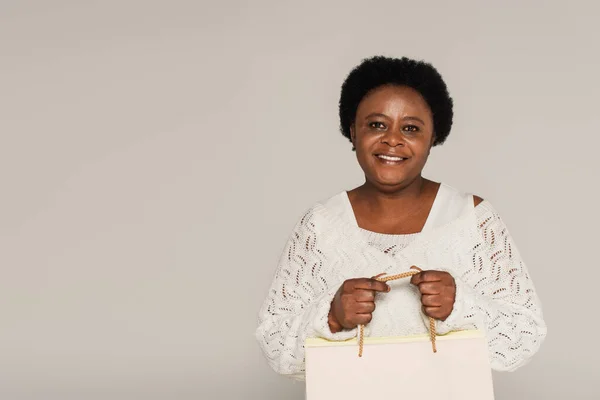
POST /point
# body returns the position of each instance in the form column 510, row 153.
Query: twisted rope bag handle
column 393, row 278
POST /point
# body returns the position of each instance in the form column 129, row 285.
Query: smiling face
column 392, row 134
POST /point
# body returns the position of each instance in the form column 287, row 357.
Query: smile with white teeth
column 389, row 158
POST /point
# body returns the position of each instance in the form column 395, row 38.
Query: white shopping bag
column 400, row 368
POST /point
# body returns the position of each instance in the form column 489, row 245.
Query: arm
column 298, row 301
column 497, row 295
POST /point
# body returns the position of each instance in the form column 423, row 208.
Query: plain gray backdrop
column 155, row 155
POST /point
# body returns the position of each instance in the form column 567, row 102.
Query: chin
column 389, row 182
column 391, row 179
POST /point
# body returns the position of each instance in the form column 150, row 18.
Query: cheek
column 366, row 160
column 364, row 145
column 363, row 159
column 419, row 145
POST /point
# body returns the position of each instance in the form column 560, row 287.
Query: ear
column 353, row 135
column 433, row 137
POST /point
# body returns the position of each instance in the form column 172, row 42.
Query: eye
column 377, row 125
column 410, row 128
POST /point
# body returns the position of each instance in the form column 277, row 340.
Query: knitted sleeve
column 298, row 300
column 496, row 294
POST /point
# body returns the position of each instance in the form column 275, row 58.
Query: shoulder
column 321, row 213
column 334, row 203
column 483, row 208
column 454, row 198
column 468, row 197
column 479, row 215
column 488, row 218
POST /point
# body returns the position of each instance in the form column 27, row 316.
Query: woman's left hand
column 438, row 291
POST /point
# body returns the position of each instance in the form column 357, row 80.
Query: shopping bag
column 400, row 368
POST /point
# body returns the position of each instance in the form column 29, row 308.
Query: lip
column 376, row 155
column 389, row 155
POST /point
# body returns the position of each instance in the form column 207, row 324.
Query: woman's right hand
column 354, row 303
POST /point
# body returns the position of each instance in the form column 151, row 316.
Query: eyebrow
column 377, row 115
column 405, row 118
column 415, row 119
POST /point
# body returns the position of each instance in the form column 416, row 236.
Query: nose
column 393, row 139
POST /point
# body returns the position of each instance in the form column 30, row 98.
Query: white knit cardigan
column 494, row 292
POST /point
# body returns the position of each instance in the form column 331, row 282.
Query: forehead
column 393, row 98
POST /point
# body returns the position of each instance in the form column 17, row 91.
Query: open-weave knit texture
column 494, row 292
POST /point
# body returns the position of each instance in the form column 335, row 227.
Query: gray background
column 154, row 156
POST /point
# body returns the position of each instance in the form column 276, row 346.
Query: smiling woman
column 394, row 111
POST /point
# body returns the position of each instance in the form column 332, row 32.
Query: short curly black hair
column 377, row 71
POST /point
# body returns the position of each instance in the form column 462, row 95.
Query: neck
column 396, row 202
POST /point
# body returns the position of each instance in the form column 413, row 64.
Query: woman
column 394, row 111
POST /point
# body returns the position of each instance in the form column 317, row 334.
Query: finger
column 362, row 295
column 429, row 300
column 433, row 312
column 362, row 319
column 430, row 288
column 429, row 276
column 371, row 284
column 416, row 279
column 365, row 308
column 432, row 276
